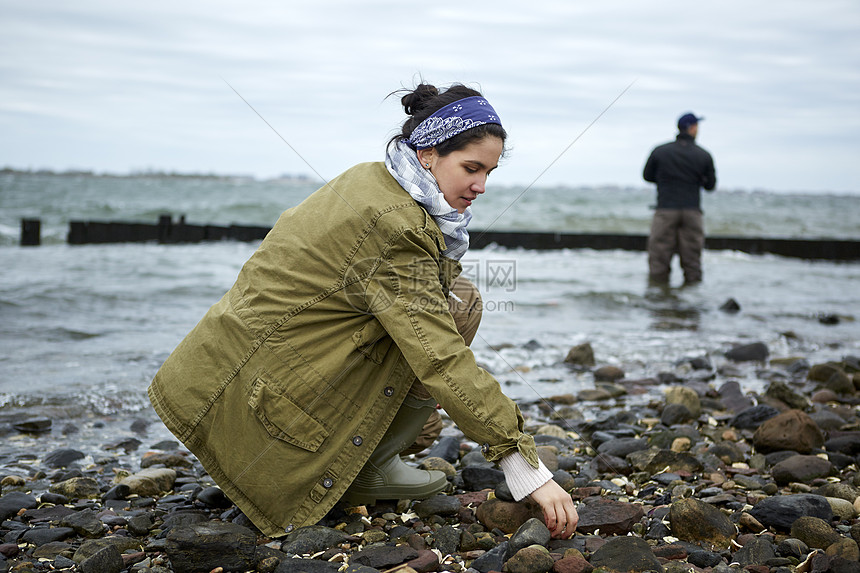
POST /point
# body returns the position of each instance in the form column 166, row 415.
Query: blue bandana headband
column 451, row 120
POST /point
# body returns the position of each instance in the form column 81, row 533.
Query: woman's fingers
column 559, row 513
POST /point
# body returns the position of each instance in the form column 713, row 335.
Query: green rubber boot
column 385, row 475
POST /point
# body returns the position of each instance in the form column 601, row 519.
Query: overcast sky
column 122, row 86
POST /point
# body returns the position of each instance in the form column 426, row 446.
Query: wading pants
column 676, row 231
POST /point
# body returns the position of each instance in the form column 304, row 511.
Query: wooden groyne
column 168, row 231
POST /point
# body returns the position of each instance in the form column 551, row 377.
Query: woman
column 321, row 364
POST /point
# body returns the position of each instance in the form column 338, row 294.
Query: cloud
column 116, row 87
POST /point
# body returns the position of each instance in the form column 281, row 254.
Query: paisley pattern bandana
column 403, row 164
column 452, row 119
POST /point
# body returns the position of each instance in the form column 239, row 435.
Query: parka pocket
column 283, row 419
column 372, row 341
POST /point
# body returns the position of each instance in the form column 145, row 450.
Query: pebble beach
column 705, row 474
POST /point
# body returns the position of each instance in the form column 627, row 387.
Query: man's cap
column 687, row 120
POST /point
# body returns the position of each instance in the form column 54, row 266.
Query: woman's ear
column 427, row 157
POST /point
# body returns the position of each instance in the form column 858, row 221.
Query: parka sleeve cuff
column 522, row 478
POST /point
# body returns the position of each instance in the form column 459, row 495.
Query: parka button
column 289, row 528
column 389, row 391
column 356, row 441
column 327, row 483
column 485, row 448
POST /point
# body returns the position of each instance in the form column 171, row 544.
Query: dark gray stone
column 443, row 505
column 704, row 558
column 383, row 557
column 306, row 566
column 85, row 523
column 532, row 532
column 751, row 418
column 42, row 535
column 15, row 501
column 782, row 510
column 447, row 448
column 447, row 540
column 492, row 560
column 620, row 447
column 478, row 478
column 106, row 560
column 214, row 497
column 756, row 552
column 311, row 539
column 62, row 457
column 626, row 554
column 754, row 352
column 675, row 414
column 206, row 546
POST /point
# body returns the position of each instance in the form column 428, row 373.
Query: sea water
column 84, row 328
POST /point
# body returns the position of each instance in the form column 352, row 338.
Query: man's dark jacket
column 680, row 168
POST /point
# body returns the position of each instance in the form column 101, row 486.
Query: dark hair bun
column 419, row 98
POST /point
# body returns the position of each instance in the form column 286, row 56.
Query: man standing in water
column 680, row 169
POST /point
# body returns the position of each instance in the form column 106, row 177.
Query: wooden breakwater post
column 166, row 231
column 31, row 232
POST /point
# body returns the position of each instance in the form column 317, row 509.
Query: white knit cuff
column 522, row 478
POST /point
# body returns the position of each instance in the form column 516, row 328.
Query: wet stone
column 756, row 552
column 531, row 559
column 626, row 554
column 532, row 532
column 814, row 532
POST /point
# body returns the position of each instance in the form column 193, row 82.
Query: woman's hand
column 558, row 512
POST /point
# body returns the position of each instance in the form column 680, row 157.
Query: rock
column 532, row 532
column 119, row 491
column 447, row 448
column 42, row 535
column 801, row 469
column 626, row 554
column 839, row 383
column 15, row 501
column 823, row 372
column 507, row 516
column 34, row 426
column 581, row 355
column 842, row 509
column 792, row 547
column 847, row 443
column 731, row 306
column 106, row 560
column 620, row 447
column 168, row 459
column 675, row 461
column 447, row 540
column 306, row 566
column 754, row 352
column 593, row 395
column 753, row 417
column 77, row 488
column 478, row 478
column 438, row 464
column 780, row 391
column 205, row 546
column 311, row 539
column 704, row 558
column 695, row 521
column 438, row 505
column 781, row 511
column 813, row 531
column 732, row 398
column 532, row 559
column 213, row 497
column 845, row 548
column 756, row 552
column 151, row 481
column 841, row 490
column 685, row 396
column 552, row 430
column 572, row 564
column 426, row 561
column 85, row 523
column 791, row 430
column 62, row 457
column 608, row 374
column 492, row 560
column 92, row 546
column 383, row 557
column 608, row 516
column 675, row 414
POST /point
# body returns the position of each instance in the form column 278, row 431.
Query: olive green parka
column 287, row 384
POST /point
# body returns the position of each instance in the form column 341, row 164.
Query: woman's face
column 462, row 175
